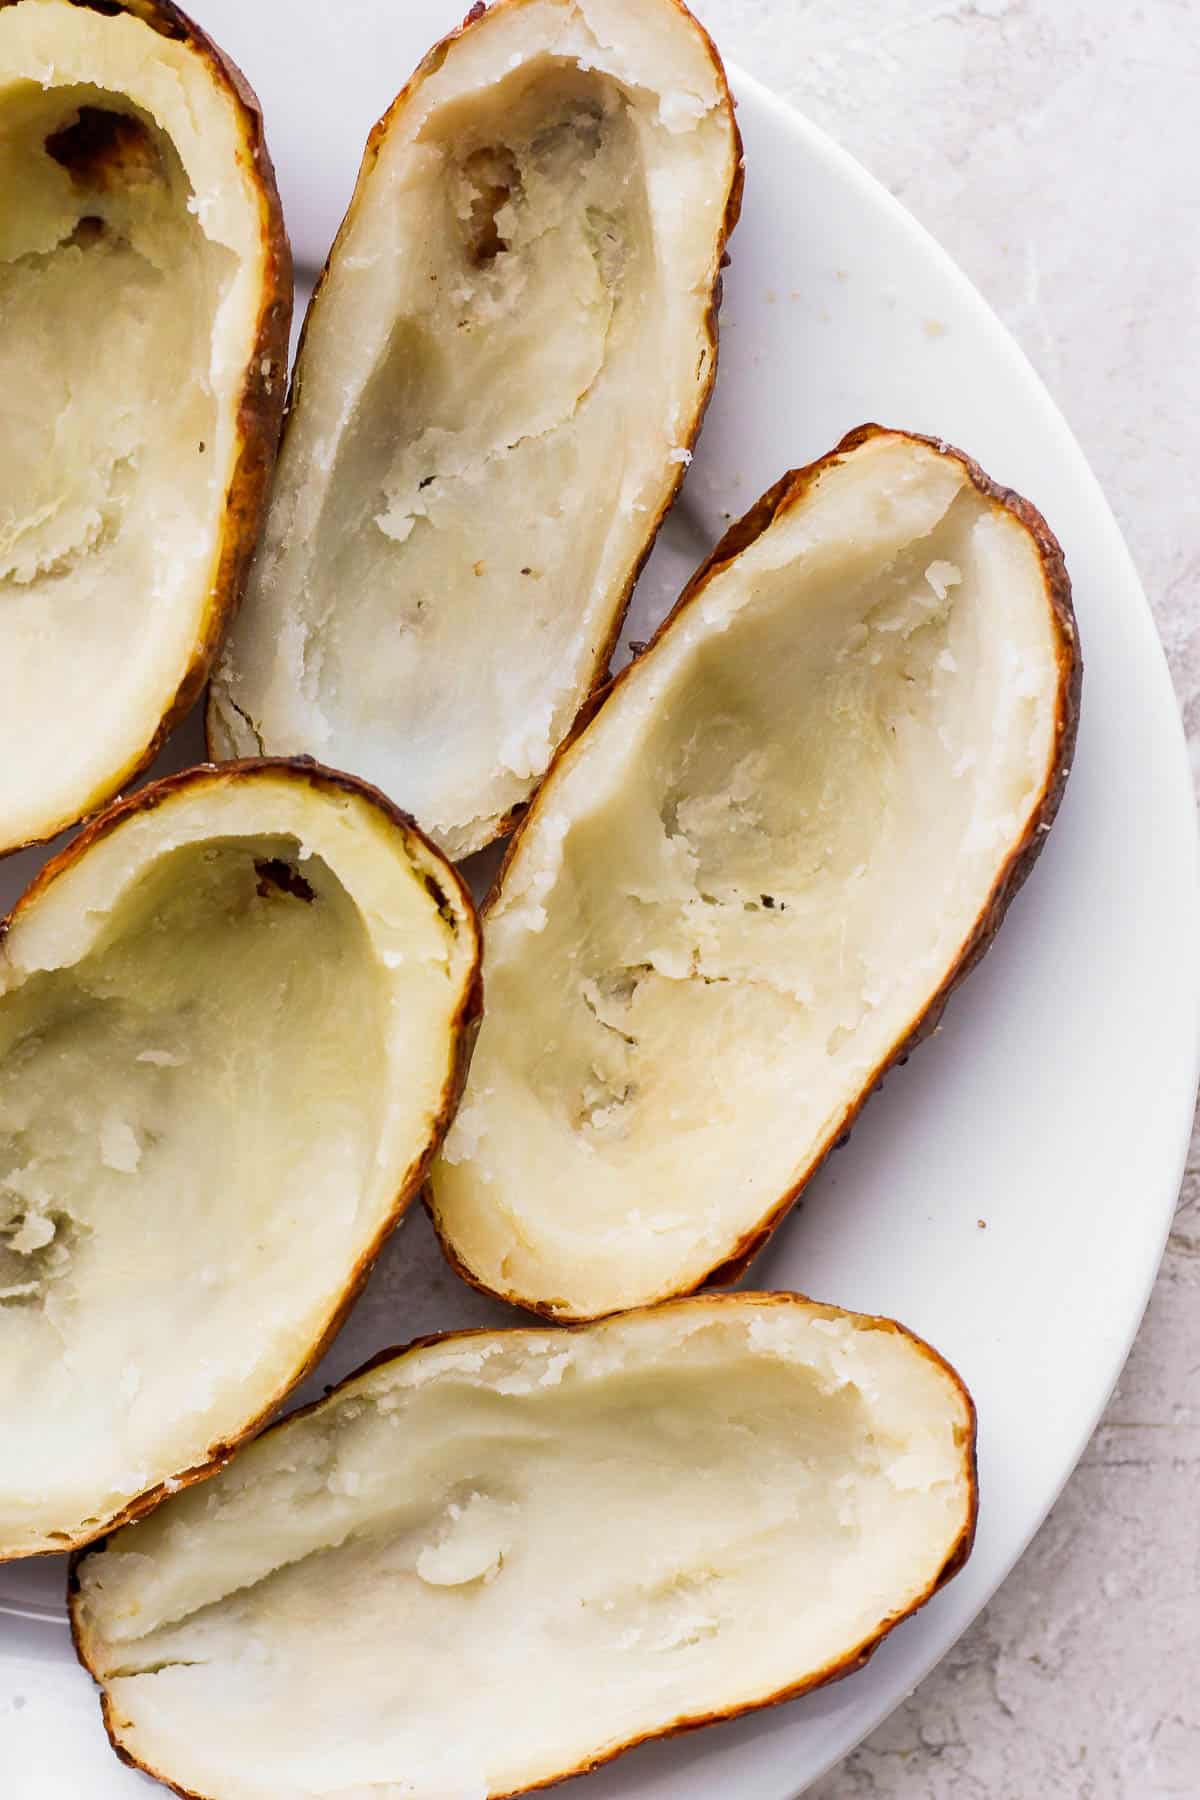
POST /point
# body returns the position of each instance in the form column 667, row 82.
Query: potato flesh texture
column 430, row 612
column 504, row 400
column 188, row 1121
column 767, row 869
column 511, row 1559
column 112, row 456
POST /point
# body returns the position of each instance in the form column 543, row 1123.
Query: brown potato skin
column 830, row 1672
column 786, row 492
column 429, row 64
column 465, row 1028
column 260, row 411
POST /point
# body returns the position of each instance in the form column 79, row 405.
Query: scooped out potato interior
column 741, row 887
column 133, row 268
column 503, row 1556
column 227, row 1035
column 501, row 374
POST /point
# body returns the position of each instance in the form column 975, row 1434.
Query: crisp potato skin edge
column 429, row 64
column 464, row 1027
column 260, row 409
column 835, row 1670
column 779, row 499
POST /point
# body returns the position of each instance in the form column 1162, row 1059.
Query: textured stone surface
column 1053, row 147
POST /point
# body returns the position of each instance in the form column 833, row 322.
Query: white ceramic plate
column 1009, row 1194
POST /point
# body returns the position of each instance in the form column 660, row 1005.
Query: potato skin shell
column 430, row 63
column 856, row 1659
column 260, row 409
column 1025, row 852
column 779, row 499
column 464, row 1027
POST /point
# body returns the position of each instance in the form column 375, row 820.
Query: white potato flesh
column 508, row 1554
column 133, row 258
column 743, row 884
column 227, row 1035
column 500, row 375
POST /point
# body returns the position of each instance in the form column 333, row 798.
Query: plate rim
column 820, row 144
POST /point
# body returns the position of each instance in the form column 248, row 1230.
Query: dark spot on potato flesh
column 102, row 150
column 440, row 899
column 278, row 877
column 493, row 175
column 89, row 231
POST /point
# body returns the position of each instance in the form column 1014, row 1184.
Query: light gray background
column 1054, row 148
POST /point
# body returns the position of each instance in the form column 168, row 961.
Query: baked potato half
column 747, row 887
column 503, row 369
column 501, row 1557
column 145, row 303
column 235, row 1016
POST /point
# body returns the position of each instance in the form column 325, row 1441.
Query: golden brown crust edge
column 849, row 1664
column 445, row 880
column 260, row 410
column 1016, row 870
column 785, row 493
column 598, row 679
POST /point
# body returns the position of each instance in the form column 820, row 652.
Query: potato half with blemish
column 502, row 372
column 145, row 301
column 235, row 1016
column 501, row 1557
column 747, row 887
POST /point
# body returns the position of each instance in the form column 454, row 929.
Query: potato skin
column 687, row 436
column 779, row 499
column 465, row 1028
column 260, row 410
column 834, row 1671
column 1024, row 854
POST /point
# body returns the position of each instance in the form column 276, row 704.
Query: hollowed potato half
column 234, row 1019
column 747, row 887
column 502, row 1557
column 145, row 301
column 502, row 371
